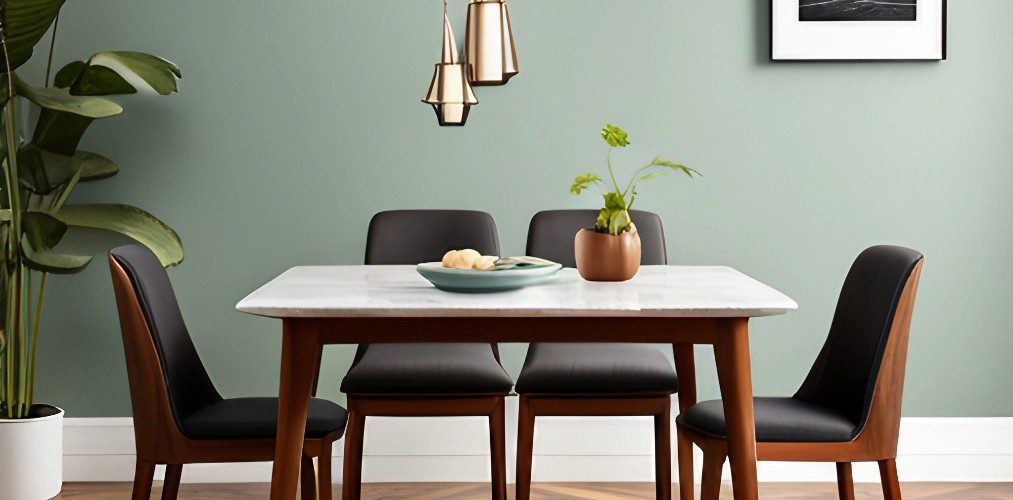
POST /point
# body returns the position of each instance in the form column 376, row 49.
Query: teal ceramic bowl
column 473, row 281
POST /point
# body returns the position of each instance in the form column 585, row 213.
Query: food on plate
column 468, row 259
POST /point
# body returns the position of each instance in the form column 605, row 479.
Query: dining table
column 679, row 305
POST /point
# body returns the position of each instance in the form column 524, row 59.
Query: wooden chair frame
column 659, row 407
column 360, row 407
column 876, row 442
column 158, row 438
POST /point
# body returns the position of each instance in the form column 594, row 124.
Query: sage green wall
column 298, row 120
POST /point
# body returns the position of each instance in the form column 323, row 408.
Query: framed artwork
column 819, row 30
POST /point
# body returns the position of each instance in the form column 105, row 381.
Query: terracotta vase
column 603, row 257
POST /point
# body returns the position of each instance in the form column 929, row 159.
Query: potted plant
column 610, row 251
column 40, row 170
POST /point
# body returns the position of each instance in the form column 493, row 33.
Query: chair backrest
column 551, row 234
column 416, row 236
column 860, row 370
column 168, row 382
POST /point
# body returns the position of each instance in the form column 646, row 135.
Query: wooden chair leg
column 351, row 481
column 888, row 475
column 307, row 479
column 497, row 450
column 663, row 452
column 170, row 487
column 525, row 447
column 845, row 483
column 685, row 452
column 711, row 487
column 144, row 474
column 324, row 470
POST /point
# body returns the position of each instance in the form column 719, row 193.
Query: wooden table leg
column 731, row 354
column 299, row 349
column 685, row 367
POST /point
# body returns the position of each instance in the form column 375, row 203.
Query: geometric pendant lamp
column 489, row 43
column 450, row 94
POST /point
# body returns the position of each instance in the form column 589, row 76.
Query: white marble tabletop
column 399, row 291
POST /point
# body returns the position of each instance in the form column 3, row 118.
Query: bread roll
column 451, row 259
column 468, row 259
column 485, row 262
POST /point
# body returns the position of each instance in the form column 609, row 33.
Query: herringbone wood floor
column 604, row 491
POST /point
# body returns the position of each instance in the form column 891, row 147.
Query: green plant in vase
column 614, row 217
column 611, row 251
column 41, row 171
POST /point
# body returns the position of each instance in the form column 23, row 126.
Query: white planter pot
column 31, row 457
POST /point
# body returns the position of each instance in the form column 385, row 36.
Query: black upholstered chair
column 848, row 408
column 595, row 379
column 179, row 416
column 426, row 379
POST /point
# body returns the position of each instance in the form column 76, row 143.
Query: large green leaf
column 582, row 182
column 42, row 230
column 61, row 100
column 130, row 221
column 41, row 171
column 619, row 222
column 52, row 262
column 661, row 162
column 60, row 132
column 108, row 73
column 25, row 22
column 614, row 201
column 100, row 80
column 67, row 74
column 95, row 166
column 64, row 117
column 615, row 136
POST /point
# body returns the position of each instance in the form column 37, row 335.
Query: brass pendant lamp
column 450, row 94
column 489, row 43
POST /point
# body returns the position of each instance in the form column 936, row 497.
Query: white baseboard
column 566, row 449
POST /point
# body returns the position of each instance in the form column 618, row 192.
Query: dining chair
column 426, row 380
column 848, row 408
column 596, row 379
column 179, row 416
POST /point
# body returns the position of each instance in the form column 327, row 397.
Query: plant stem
column 9, row 357
column 52, row 44
column 13, row 187
column 608, row 159
column 22, row 313
column 58, row 203
column 14, row 326
column 9, row 353
column 35, row 337
column 634, row 178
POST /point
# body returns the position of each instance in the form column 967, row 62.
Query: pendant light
column 450, row 94
column 489, row 43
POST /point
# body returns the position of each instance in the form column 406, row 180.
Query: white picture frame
column 860, row 37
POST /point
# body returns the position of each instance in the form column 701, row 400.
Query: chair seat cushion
column 465, row 369
column 253, row 418
column 786, row 420
column 596, row 369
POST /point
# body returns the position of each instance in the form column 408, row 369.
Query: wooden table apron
column 304, row 338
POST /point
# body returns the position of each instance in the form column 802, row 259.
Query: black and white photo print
column 858, row 30
column 857, row 10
